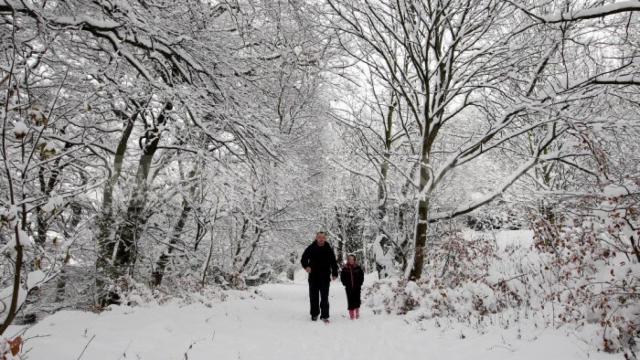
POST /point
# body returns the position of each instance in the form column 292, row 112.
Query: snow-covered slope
column 273, row 324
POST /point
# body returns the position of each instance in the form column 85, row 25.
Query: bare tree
column 476, row 69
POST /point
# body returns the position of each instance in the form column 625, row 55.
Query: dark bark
column 254, row 245
column 384, row 167
column 117, row 257
column 130, row 230
column 635, row 248
column 386, row 241
column 258, row 231
column 422, row 221
column 200, row 233
column 163, row 260
column 61, row 284
column 46, row 188
column 435, row 97
column 105, row 222
column 135, row 218
column 341, row 236
column 243, row 234
column 420, row 239
column 13, row 306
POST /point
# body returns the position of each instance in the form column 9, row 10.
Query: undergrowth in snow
column 181, row 291
column 509, row 281
column 271, row 322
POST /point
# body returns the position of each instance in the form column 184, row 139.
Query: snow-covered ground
column 274, row 324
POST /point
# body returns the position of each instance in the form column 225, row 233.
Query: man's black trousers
column 319, row 298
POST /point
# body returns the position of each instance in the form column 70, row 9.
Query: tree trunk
column 46, row 187
column 104, row 240
column 254, row 245
column 341, row 236
column 420, row 239
column 403, row 211
column 205, row 266
column 13, row 306
column 435, row 98
column 118, row 257
column 163, row 261
column 422, row 217
column 125, row 252
column 61, row 284
column 385, row 242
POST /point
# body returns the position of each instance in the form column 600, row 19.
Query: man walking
column 320, row 262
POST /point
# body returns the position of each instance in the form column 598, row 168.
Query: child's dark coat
column 352, row 278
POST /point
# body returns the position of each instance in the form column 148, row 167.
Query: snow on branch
column 73, row 21
column 492, row 196
column 630, row 79
column 592, row 13
column 117, row 34
column 34, row 279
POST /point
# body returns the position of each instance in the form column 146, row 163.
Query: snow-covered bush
column 188, row 290
column 456, row 284
column 501, row 215
column 594, row 265
column 432, row 299
column 20, row 129
column 185, row 290
column 580, row 268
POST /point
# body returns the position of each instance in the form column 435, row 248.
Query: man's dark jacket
column 322, row 261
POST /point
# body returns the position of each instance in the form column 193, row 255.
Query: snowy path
column 276, row 327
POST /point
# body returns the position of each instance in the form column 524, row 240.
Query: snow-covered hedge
column 466, row 278
column 185, row 291
column 570, row 277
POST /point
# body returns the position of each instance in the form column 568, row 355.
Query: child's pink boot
column 352, row 314
column 357, row 313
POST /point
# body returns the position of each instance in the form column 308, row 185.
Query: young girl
column 352, row 278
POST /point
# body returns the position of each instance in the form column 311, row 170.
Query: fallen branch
column 86, row 346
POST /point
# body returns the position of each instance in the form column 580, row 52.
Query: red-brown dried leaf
column 15, row 345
